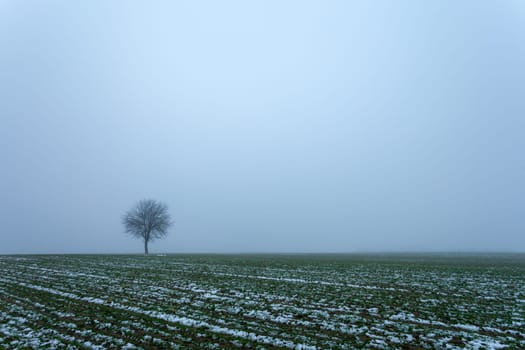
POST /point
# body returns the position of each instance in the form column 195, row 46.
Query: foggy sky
column 266, row 126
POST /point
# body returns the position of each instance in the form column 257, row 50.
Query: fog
column 265, row 126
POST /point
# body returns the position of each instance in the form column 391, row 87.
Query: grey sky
column 287, row 126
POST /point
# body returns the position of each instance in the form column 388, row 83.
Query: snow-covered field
column 262, row 301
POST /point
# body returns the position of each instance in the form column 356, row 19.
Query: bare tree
column 148, row 220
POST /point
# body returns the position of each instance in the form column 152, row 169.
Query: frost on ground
column 262, row 301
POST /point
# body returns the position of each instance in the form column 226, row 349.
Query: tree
column 147, row 220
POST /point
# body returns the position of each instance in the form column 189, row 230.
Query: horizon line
column 372, row 252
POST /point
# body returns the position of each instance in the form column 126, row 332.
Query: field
column 263, row 301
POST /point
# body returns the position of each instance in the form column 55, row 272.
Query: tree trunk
column 146, row 247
